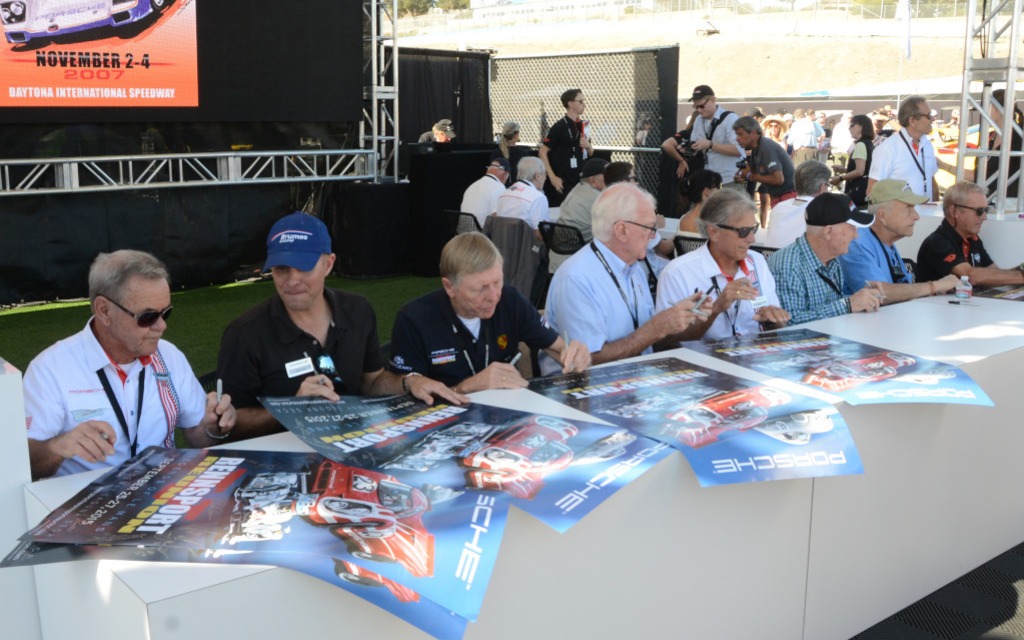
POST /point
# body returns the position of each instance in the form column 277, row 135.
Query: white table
column 815, row 559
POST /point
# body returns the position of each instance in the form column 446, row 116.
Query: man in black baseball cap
column 713, row 134
column 808, row 277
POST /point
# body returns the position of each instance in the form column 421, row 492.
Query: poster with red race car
column 552, row 468
column 730, row 430
column 438, row 543
column 858, row 373
column 386, row 594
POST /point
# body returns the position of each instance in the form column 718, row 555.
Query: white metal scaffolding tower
column 379, row 128
column 991, row 57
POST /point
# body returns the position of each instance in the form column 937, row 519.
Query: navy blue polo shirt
column 429, row 338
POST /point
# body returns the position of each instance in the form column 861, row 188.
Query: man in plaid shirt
column 808, row 278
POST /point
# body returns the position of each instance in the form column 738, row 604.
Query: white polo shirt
column 523, row 200
column 896, row 158
column 62, row 390
column 697, row 270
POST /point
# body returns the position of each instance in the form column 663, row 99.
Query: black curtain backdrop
column 203, row 235
column 444, row 84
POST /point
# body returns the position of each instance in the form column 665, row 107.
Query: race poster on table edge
column 554, row 469
column 388, row 595
column 856, row 372
column 438, row 543
column 730, row 430
column 81, row 53
column 1004, row 292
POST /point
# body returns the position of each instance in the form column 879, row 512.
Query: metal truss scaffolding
column 113, row 173
column 379, row 129
column 991, row 57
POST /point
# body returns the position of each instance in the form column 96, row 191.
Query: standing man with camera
column 769, row 164
column 713, row 135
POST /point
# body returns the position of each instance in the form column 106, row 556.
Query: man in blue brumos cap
column 307, row 340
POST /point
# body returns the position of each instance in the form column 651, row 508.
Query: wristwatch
column 405, row 380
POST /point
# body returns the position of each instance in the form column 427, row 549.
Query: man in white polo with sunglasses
column 106, row 393
column 307, row 339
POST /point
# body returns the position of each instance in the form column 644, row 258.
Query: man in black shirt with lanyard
column 467, row 334
column 955, row 247
column 565, row 147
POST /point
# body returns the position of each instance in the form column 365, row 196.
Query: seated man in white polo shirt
column 525, row 199
column 106, row 393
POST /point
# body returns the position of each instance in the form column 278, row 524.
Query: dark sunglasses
column 978, row 210
column 145, row 319
column 742, row 232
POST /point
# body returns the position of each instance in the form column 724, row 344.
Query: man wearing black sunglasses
column 106, row 393
column 955, row 246
column 307, row 339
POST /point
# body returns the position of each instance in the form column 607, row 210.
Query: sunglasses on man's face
column 742, row 232
column 147, row 318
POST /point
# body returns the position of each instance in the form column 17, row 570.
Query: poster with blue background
column 730, row 430
column 858, row 373
column 440, row 544
column 555, row 469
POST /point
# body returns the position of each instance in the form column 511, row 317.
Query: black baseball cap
column 833, row 208
column 701, row 91
column 593, row 167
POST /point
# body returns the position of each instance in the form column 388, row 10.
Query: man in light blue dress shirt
column 600, row 295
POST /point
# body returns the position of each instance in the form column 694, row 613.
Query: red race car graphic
column 377, row 517
column 841, row 375
column 703, row 423
column 516, row 460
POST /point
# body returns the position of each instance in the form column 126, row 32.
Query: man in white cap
column 808, row 278
column 873, row 256
column 307, row 340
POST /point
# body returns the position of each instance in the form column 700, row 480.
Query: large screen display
column 180, row 60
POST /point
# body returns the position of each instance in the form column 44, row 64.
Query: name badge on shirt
column 299, row 367
column 572, row 162
column 758, row 302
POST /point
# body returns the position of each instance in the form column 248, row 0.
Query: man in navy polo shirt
column 467, row 334
column 307, row 340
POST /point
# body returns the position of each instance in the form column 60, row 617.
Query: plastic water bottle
column 964, row 290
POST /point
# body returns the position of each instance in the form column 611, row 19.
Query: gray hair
column 908, row 109
column 957, row 194
column 748, row 124
column 810, row 176
column 529, row 168
column 621, row 201
column 466, row 254
column 111, row 272
column 723, row 205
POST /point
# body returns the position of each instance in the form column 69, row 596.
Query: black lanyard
column 133, row 444
column 919, row 165
column 895, row 267
column 835, row 287
column 634, row 311
column 735, row 307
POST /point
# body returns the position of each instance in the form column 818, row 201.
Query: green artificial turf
column 200, row 316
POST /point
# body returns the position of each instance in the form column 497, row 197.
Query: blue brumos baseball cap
column 297, row 240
